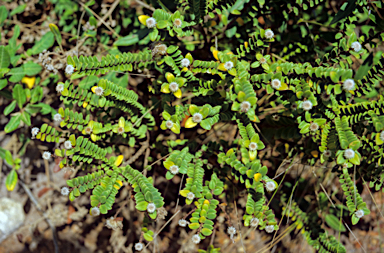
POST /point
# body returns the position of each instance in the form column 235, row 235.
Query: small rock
column 11, row 216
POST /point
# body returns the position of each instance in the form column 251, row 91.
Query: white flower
column 151, row 208
column 65, row 191
column 185, row 62
column 67, row 145
column 254, row 222
column 245, row 106
column 228, row 65
column 349, row 153
column 307, row 105
column 57, row 117
column 269, row 34
column 190, row 195
column 169, row 124
column 349, row 84
column 173, row 87
column 120, row 130
column 174, row 169
column 356, row 46
column 327, row 153
column 114, row 223
column 151, row 22
column 263, row 60
column 252, row 146
column 35, row 131
column 162, row 49
column 196, row 239
column 276, row 84
column 381, row 135
column 95, row 211
column 139, row 246
column 314, row 127
column 183, row 223
column 46, row 155
column 270, row 228
column 270, row 186
column 177, row 23
column 231, row 230
column 275, row 117
column 359, row 213
column 69, row 69
column 99, row 91
column 88, row 130
column 60, row 87
column 197, row 117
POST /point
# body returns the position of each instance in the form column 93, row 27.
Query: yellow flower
column 29, row 81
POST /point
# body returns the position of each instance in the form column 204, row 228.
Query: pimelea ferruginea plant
column 289, row 95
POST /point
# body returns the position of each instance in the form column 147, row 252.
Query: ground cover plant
column 194, row 126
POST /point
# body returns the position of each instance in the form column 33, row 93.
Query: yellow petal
column 378, row 140
column 215, row 54
column 143, row 19
column 29, row 81
column 283, row 86
column 221, row 67
column 178, row 93
column 315, row 153
column 119, row 160
column 257, row 177
column 93, row 89
column 246, row 45
column 93, row 137
column 85, row 104
column 170, row 77
column 190, row 123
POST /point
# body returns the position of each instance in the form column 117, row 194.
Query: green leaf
column 148, row 237
column 44, row 43
column 16, row 74
column 355, row 220
column 365, row 67
column 7, row 156
column 3, row 14
column 153, row 34
column 18, row 93
column 18, row 9
column 11, row 180
column 334, row 223
column 31, row 68
column 127, row 40
column 206, row 232
column 162, row 24
column 5, row 60
column 351, row 5
column 26, row 118
column 10, row 107
column 13, row 123
column 56, row 32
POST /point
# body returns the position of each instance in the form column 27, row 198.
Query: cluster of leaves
column 308, row 99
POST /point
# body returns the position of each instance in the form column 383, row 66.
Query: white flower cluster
column 69, row 69
column 270, row 228
column 65, row 191
column 174, row 169
column 57, row 117
column 269, row 34
column 245, row 106
column 114, row 224
column 35, row 131
column 196, row 239
column 359, row 213
column 151, row 208
column 349, row 153
column 270, row 186
column 151, row 22
column 46, row 155
column 253, row 146
column 356, row 46
column 197, row 117
column 183, row 223
column 185, row 62
column 60, row 87
column 48, row 63
column 169, row 124
column 254, row 222
column 228, row 65
column 95, row 211
column 139, row 246
column 88, row 26
column 231, row 231
column 190, row 196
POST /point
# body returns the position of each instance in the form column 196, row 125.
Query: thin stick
column 173, row 216
column 145, row 5
column 178, row 198
column 38, row 207
column 113, row 7
column 239, row 227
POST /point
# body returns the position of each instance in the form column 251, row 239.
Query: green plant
column 303, row 98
